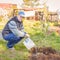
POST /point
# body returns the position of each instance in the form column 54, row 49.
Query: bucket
column 29, row 43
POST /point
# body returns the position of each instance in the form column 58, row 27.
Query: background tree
column 30, row 3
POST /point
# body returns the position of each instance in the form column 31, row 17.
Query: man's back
column 13, row 20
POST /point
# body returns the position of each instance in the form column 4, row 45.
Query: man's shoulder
column 13, row 18
column 12, row 23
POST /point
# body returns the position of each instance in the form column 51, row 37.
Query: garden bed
column 45, row 53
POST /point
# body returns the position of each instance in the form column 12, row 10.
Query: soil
column 45, row 53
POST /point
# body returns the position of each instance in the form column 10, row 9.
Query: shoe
column 11, row 49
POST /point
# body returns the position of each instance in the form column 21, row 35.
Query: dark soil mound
column 45, row 53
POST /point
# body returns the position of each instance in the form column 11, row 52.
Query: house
column 53, row 16
column 36, row 13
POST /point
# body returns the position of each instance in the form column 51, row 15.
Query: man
column 13, row 30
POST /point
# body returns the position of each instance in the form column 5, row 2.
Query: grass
column 39, row 37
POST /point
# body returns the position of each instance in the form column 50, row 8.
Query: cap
column 21, row 13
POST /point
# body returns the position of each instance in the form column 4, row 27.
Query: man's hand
column 27, row 35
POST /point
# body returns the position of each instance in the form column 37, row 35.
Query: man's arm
column 13, row 27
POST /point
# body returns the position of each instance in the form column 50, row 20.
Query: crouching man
column 13, row 30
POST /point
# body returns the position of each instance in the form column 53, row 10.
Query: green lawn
column 39, row 37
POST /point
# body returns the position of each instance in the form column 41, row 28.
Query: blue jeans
column 12, row 39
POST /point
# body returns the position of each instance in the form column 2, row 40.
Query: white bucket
column 29, row 43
